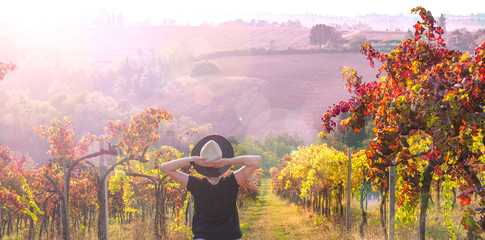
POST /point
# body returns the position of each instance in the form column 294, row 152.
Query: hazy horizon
column 56, row 12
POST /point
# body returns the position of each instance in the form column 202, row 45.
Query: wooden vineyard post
column 65, row 229
column 1, row 224
column 102, row 170
column 349, row 188
column 392, row 199
column 191, row 211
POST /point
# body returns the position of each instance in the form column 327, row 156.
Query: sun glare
column 35, row 14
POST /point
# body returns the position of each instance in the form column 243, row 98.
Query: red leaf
column 464, row 199
column 438, row 170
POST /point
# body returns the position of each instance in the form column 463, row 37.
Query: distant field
column 257, row 93
column 104, row 44
column 252, row 94
column 198, row 40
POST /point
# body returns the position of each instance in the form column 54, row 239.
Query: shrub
column 204, row 68
column 357, row 41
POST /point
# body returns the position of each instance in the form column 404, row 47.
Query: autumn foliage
column 5, row 67
column 430, row 92
column 316, row 176
column 136, row 186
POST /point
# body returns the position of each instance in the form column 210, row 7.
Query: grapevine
column 430, row 91
column 315, row 175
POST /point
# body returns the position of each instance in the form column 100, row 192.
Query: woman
column 215, row 216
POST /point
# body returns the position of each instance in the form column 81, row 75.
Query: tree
column 322, row 34
column 467, row 41
column 5, row 67
column 441, row 22
column 203, row 68
column 408, row 35
column 182, row 132
column 293, row 23
column 316, row 175
column 429, row 92
column 157, row 178
column 281, row 143
column 249, row 190
column 357, row 41
column 65, row 150
column 17, row 196
column 132, row 141
column 239, row 148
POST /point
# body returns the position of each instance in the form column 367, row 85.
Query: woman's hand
column 202, row 161
column 221, row 162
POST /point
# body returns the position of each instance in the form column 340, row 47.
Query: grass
column 136, row 230
column 271, row 217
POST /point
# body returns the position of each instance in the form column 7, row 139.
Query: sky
column 194, row 12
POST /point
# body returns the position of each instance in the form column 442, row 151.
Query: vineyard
column 67, row 197
column 427, row 112
column 428, row 117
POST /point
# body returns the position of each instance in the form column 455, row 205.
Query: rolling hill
column 252, row 94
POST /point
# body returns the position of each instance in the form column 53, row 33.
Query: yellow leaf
column 464, row 57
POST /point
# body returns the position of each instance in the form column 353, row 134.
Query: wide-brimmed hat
column 212, row 147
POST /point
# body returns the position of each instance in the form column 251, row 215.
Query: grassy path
column 270, row 217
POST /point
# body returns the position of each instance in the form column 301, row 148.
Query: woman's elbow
column 163, row 168
column 258, row 160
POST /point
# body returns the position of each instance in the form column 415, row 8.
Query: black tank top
column 215, row 216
